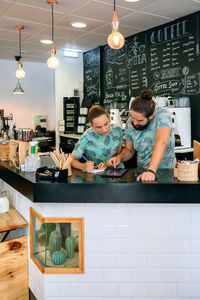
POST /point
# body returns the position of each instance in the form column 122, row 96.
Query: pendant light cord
column 20, row 42
column 52, row 24
column 114, row 5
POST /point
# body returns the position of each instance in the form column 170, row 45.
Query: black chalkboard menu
column 91, row 73
column 165, row 59
column 174, row 57
column 124, row 71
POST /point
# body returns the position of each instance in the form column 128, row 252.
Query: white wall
column 39, row 96
column 68, row 76
column 44, row 89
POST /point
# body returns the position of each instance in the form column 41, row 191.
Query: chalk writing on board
column 91, row 63
column 125, row 72
column 172, row 57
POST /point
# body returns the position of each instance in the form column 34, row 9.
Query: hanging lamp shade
column 52, row 61
column 115, row 39
column 18, row 90
column 20, row 73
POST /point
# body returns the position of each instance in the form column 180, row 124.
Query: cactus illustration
column 58, row 257
column 70, row 245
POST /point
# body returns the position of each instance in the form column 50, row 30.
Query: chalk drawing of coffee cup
column 109, row 78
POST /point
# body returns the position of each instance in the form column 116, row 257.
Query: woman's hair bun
column 147, row 94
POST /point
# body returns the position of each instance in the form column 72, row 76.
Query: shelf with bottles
column 56, row 244
column 70, row 113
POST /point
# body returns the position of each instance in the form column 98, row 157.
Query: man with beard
column 149, row 131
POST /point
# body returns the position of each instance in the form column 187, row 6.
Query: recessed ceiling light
column 131, row 0
column 47, row 42
column 79, row 24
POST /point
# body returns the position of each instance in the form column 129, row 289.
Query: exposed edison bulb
column 116, row 40
column 52, row 62
column 20, row 73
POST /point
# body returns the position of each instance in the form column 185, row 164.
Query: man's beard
column 141, row 127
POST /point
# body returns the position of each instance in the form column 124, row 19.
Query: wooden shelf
column 11, row 220
column 13, row 259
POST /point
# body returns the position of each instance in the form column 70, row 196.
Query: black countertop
column 89, row 188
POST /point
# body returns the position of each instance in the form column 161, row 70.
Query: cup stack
column 82, row 120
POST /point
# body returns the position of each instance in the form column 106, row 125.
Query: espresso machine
column 181, row 118
column 115, row 117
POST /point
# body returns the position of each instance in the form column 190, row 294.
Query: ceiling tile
column 62, row 5
column 92, row 38
column 35, row 40
column 10, row 24
column 4, row 6
column 12, row 35
column 61, row 32
column 126, row 31
column 91, row 23
column 27, row 13
column 143, row 20
column 36, row 46
column 8, row 44
column 131, row 5
column 164, row 8
column 99, row 11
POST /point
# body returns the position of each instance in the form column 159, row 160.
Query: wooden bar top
column 11, row 220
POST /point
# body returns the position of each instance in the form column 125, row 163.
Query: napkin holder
column 53, row 174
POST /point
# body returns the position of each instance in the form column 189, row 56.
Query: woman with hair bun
column 149, row 131
column 98, row 143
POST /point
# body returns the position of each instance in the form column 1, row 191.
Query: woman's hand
column 102, row 166
column 146, row 176
column 88, row 166
column 114, row 161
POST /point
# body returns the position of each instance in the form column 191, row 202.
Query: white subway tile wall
column 132, row 251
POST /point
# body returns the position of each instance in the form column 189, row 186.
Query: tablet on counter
column 114, row 172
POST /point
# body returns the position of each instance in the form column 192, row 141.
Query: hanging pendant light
column 52, row 61
column 18, row 90
column 115, row 39
column 20, row 72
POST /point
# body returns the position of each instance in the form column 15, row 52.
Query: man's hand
column 114, row 161
column 146, row 176
column 88, row 166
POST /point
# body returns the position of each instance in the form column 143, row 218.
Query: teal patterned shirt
column 99, row 148
column 144, row 140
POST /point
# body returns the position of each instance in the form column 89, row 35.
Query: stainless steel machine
column 181, row 118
